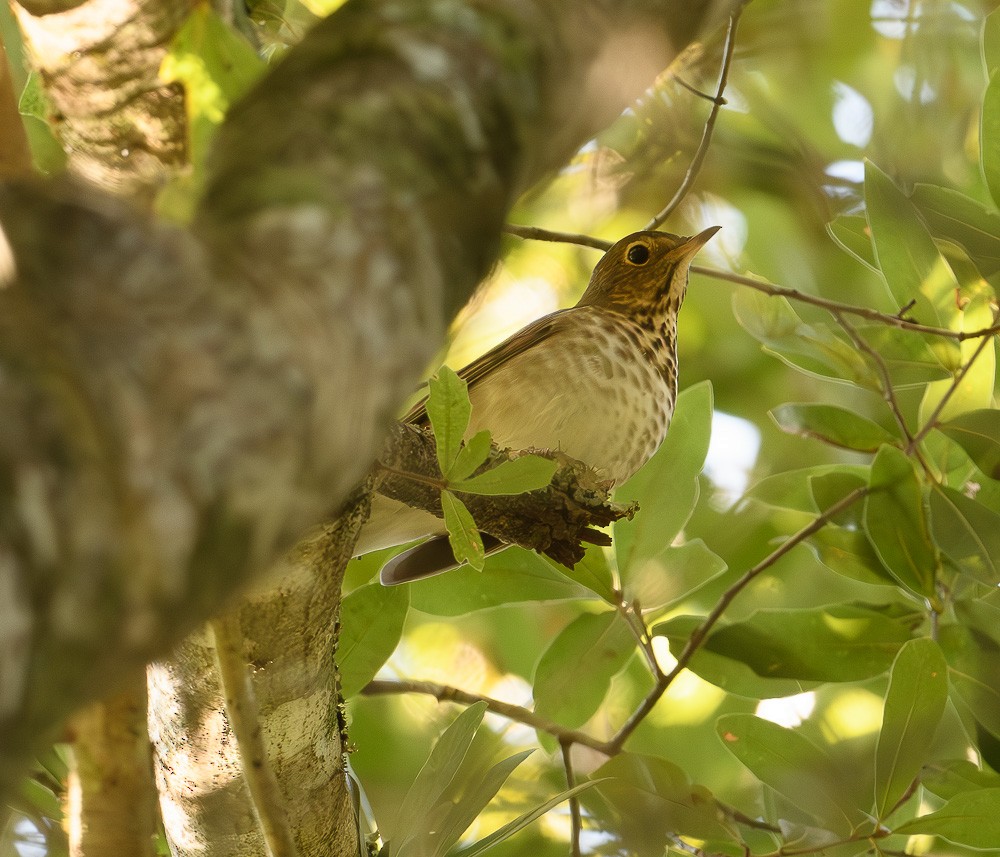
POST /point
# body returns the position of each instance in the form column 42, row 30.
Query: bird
column 597, row 381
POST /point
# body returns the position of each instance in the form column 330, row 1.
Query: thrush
column 597, row 381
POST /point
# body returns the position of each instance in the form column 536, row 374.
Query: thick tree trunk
column 182, row 405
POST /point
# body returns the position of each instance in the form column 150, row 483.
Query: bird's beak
column 689, row 248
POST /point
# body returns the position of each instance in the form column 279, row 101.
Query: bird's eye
column 637, row 254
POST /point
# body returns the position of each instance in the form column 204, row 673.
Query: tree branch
column 553, row 521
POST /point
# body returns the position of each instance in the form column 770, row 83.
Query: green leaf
column 831, row 424
column 913, row 268
column 574, row 673
column 896, row 523
column 526, row 473
column 792, row 765
column 471, row 456
column 913, row 359
column 842, row 642
column 522, row 821
column 970, row 819
column 655, row 800
column 991, row 43
column 914, row 705
column 730, row 675
column 216, row 65
column 978, row 433
column 463, row 535
column 849, row 553
column 593, row 572
column 967, row 532
column 851, row 233
column 976, row 387
column 510, row 576
column 435, row 777
column 828, row 489
column 947, row 779
column 371, row 623
column 449, row 411
column 989, row 133
column 793, row 489
column 676, row 573
column 973, row 667
column 677, row 464
column 814, row 349
column 964, row 221
column 466, row 808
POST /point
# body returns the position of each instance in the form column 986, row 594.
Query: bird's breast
column 598, row 391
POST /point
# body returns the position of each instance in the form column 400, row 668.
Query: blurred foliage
column 835, row 561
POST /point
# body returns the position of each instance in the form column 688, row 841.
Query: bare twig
column 241, row 708
column 517, row 713
column 535, row 233
column 936, row 413
column 574, row 802
column 700, row 633
column 706, row 135
column 847, row 309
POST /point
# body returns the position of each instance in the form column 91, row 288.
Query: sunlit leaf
column 523, row 820
column 842, row 642
column 449, row 411
column 851, row 232
column 216, row 65
column 526, row 473
column 963, row 220
column 975, row 390
column 466, row 543
column 371, row 623
column 435, row 777
column 510, row 576
column 967, row 532
column 991, row 43
column 573, row 675
column 470, row 456
column 593, row 572
column 913, row 268
column 973, row 667
column 969, row 818
column 832, row 424
column 793, row 489
column 469, row 805
column 677, row 463
column 814, row 349
column 978, row 433
column 677, row 572
column 655, row 799
column 989, row 133
column 731, row 675
column 914, row 704
column 848, row 552
column 947, row 779
column 792, row 765
column 896, row 523
column 913, row 359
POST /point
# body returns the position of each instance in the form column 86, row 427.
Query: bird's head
column 645, row 274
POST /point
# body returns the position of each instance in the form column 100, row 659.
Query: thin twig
column 885, row 378
column 847, row 309
column 574, row 802
column 706, row 135
column 936, row 413
column 517, row 713
column 632, row 614
column 700, row 633
column 241, row 709
column 534, row 233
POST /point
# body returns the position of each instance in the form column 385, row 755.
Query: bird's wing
column 431, row 557
column 534, row 333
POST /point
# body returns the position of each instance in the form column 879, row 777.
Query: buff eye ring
column 637, row 254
